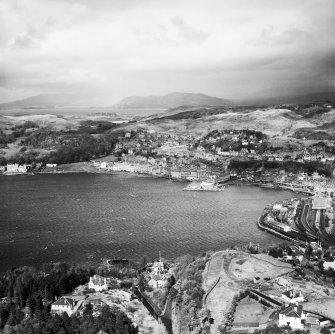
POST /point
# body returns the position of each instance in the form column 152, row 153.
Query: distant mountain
column 322, row 97
column 172, row 100
column 53, row 101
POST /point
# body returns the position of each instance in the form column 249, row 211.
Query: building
column 321, row 203
column 323, row 322
column 158, row 274
column 328, row 264
column 157, row 281
column 63, row 304
column 292, row 297
column 292, row 316
column 16, row 168
column 98, row 283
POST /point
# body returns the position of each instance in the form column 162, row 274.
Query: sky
column 117, row 48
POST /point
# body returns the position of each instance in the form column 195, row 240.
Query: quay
column 262, row 227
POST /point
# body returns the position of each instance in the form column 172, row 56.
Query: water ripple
column 85, row 217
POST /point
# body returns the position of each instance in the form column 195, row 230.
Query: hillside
column 323, row 97
column 309, row 121
column 54, row 101
column 171, row 101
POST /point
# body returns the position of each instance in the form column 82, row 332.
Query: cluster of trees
column 110, row 321
column 66, row 148
column 226, row 144
column 83, row 147
column 16, row 132
column 30, row 288
column 6, row 138
column 275, row 329
column 289, row 166
column 187, row 292
column 244, row 133
column 231, row 311
column 27, row 293
column 189, row 277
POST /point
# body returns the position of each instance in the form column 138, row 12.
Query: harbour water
column 85, row 217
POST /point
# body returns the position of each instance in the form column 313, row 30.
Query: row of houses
column 21, row 168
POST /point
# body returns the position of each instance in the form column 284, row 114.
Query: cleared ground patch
column 250, row 311
column 228, row 273
column 248, row 267
column 323, row 306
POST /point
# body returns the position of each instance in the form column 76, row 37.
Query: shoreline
column 92, row 170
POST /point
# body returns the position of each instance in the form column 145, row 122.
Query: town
column 247, row 156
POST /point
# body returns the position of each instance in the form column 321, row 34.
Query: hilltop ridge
column 172, row 100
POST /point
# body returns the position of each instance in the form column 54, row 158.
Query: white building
column 327, row 265
column 63, row 304
column 158, row 275
column 292, row 297
column 292, row 316
column 16, row 168
column 157, row 281
column 98, row 283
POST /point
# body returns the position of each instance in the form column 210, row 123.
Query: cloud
column 189, row 33
column 290, row 36
column 132, row 47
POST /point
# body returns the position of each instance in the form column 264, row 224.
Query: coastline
column 87, row 167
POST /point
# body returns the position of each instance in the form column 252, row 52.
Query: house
column 98, row 283
column 323, row 322
column 158, row 275
column 16, row 168
column 292, row 297
column 157, row 281
column 328, row 264
column 292, row 316
column 63, row 304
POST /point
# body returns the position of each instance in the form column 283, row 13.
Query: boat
column 203, row 186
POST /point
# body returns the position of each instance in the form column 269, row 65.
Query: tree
column 142, row 283
column 88, row 310
column 325, row 330
column 31, row 302
column 309, row 252
column 120, row 327
column 320, row 266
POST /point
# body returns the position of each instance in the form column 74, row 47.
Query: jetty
column 203, row 186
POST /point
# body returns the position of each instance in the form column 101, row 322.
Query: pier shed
column 321, row 203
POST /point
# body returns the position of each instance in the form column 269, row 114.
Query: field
column 323, row 306
column 248, row 267
column 250, row 311
column 229, row 272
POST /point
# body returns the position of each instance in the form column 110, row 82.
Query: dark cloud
column 189, row 33
column 291, row 36
column 23, row 41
